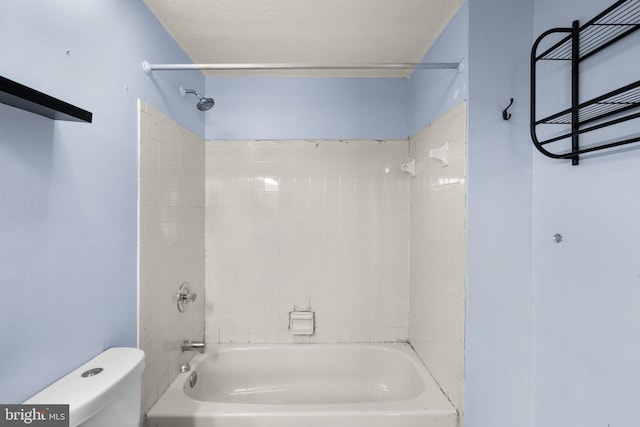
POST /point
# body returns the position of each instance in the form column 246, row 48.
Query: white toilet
column 107, row 395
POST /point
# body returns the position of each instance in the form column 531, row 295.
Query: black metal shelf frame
column 28, row 99
column 582, row 42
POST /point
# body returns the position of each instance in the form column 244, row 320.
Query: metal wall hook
column 505, row 114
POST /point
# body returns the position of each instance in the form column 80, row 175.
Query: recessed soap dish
column 301, row 322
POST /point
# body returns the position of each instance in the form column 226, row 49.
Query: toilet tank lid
column 88, row 395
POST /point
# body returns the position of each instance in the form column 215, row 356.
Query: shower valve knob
column 189, row 298
column 185, row 296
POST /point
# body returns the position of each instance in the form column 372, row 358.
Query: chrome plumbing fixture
column 185, row 368
column 189, row 345
column 193, row 379
column 91, row 372
column 185, row 296
column 203, row 104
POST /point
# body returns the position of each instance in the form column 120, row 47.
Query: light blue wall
column 587, row 289
column 308, row 108
column 68, row 191
column 499, row 363
column 434, row 92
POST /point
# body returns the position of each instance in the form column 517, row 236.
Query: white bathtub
column 305, row 385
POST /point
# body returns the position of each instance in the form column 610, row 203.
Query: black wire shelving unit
column 617, row 106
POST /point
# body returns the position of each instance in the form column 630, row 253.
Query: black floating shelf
column 25, row 98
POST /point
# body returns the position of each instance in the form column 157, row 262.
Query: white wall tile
column 437, row 262
column 306, row 228
column 171, row 245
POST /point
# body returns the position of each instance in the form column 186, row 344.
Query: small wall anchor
column 557, row 238
column 505, row 114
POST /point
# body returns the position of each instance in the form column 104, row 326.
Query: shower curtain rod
column 148, row 68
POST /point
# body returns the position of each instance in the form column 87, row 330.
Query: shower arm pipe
column 148, row 68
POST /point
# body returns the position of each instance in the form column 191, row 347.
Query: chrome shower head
column 203, row 104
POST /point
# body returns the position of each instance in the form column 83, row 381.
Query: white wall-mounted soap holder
column 301, row 322
column 440, row 154
column 409, row 167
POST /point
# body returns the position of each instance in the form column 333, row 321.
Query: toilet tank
column 104, row 392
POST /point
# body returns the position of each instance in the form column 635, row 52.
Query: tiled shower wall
column 320, row 225
column 438, row 245
column 171, row 245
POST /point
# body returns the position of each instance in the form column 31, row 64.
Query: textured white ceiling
column 305, row 31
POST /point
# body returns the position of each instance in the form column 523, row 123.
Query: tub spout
column 189, row 345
